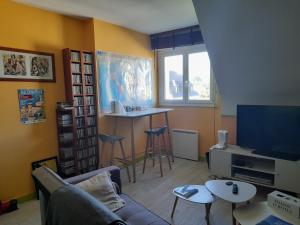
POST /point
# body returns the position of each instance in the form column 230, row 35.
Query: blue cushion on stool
column 156, row 131
column 110, row 138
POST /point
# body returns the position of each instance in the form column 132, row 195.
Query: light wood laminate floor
column 155, row 193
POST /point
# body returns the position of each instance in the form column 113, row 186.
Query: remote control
column 229, row 183
column 235, row 189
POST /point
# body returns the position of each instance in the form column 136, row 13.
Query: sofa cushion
column 69, row 205
column 135, row 214
column 113, row 170
column 101, row 188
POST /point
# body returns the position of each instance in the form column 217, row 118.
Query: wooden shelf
column 250, row 163
column 259, row 168
column 65, row 126
column 80, row 148
column 92, row 145
column 93, row 135
column 253, row 182
column 76, row 63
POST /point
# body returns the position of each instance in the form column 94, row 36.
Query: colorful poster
column 126, row 79
column 32, row 105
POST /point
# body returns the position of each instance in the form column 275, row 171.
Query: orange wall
column 229, row 123
column 207, row 121
column 196, row 118
column 35, row 29
column 113, row 38
column 32, row 29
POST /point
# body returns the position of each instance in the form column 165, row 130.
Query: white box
column 285, row 203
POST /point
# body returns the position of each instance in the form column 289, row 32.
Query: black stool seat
column 110, row 138
column 156, row 131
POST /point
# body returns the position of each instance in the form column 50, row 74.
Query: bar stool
column 158, row 148
column 112, row 139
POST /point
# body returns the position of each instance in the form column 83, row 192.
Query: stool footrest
column 125, row 161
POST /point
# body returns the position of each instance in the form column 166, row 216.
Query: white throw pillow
column 101, row 188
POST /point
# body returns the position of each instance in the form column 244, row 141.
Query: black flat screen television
column 270, row 130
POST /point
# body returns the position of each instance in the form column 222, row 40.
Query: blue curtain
column 176, row 38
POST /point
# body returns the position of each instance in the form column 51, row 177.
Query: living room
column 252, row 54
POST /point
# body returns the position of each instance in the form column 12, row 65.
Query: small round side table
column 203, row 196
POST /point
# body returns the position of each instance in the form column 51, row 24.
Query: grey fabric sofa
column 132, row 213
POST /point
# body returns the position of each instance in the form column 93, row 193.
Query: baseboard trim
column 201, row 158
column 26, row 198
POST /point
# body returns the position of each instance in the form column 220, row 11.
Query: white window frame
column 184, row 51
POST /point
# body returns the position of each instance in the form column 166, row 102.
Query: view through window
column 185, row 76
column 174, row 77
column 199, row 76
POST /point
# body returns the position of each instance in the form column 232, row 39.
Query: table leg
column 207, row 212
column 101, row 160
column 133, row 150
column 174, row 206
column 150, row 122
column 151, row 142
column 115, row 126
column 169, row 136
column 233, row 218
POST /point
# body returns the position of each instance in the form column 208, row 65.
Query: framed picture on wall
column 32, row 105
column 25, row 65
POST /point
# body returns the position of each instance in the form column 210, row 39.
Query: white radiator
column 185, row 144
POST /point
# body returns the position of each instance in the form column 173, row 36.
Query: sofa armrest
column 114, row 171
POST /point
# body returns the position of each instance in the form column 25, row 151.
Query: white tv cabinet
column 241, row 164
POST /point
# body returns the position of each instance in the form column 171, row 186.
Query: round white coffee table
column 203, row 196
column 220, row 189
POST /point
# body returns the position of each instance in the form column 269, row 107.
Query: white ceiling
column 146, row 16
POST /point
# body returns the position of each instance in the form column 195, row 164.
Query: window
column 173, row 79
column 185, row 76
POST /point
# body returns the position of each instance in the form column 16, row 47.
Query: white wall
column 254, row 48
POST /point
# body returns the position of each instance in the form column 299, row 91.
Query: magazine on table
column 186, row 191
column 273, row 220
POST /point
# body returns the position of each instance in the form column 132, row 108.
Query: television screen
column 270, row 130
